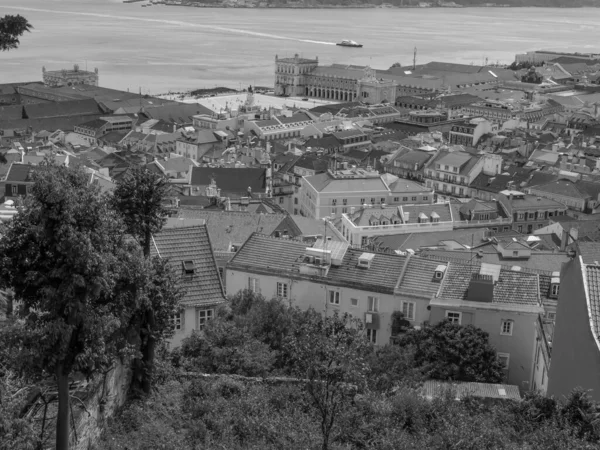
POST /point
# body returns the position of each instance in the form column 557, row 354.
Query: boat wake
column 172, row 22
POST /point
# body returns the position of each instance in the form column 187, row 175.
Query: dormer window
column 439, row 272
column 235, row 247
column 554, row 284
column 365, row 260
column 188, row 267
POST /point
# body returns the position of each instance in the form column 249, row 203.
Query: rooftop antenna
column 415, row 58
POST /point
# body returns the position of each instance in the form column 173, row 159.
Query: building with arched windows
column 302, row 77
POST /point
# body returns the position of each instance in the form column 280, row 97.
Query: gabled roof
column 273, row 256
column 179, row 245
column 233, row 181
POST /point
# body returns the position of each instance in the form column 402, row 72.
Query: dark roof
column 94, row 124
column 179, row 113
column 563, row 187
column 333, row 108
column 47, row 124
column 457, row 100
column 327, row 141
column 382, row 276
column 11, row 112
column 229, row 227
column 273, row 255
column 312, row 162
column 234, row 181
column 511, row 288
column 179, row 245
column 70, row 108
column 21, row 173
column 500, row 182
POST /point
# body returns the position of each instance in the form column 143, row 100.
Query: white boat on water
column 349, row 43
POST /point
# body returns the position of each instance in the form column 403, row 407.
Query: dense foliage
column 79, row 280
column 448, row 351
column 343, row 392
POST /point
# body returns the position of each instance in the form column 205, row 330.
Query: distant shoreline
column 213, row 6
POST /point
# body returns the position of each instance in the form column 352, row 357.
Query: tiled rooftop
column 517, row 288
column 283, row 256
column 203, row 287
column 418, row 277
column 20, row 173
column 593, row 284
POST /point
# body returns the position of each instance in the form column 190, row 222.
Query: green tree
column 63, row 256
column 225, row 348
column 448, row 351
column 11, row 29
column 139, row 198
column 331, row 353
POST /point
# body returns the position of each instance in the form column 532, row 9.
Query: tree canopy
column 77, row 276
column 11, row 29
column 448, row 351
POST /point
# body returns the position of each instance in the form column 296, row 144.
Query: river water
column 159, row 49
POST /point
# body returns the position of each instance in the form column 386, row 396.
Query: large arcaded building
column 64, row 77
column 304, row 77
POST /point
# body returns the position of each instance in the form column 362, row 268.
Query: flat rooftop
column 234, row 101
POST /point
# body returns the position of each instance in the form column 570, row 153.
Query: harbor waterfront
column 161, row 48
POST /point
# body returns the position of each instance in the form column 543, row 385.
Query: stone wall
column 106, row 394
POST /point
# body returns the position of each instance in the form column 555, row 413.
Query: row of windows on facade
column 408, row 308
column 447, row 178
column 363, row 201
column 537, row 215
column 447, row 189
column 202, row 317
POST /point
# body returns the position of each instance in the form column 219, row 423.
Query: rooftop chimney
column 481, row 288
column 564, row 239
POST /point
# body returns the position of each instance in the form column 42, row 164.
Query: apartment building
column 451, row 173
column 529, row 212
column 469, row 132
column 333, row 193
column 331, row 276
column 504, row 303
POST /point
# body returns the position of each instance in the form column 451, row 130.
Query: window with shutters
column 203, row 316
column 254, row 285
column 408, row 309
column 372, row 335
column 334, row 297
column 282, row 290
column 373, row 304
